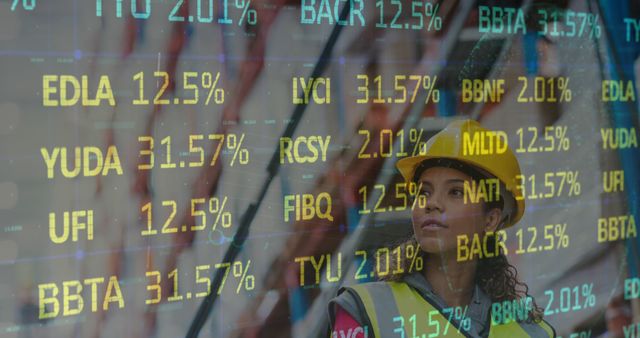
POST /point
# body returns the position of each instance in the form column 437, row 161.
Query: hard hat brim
column 407, row 167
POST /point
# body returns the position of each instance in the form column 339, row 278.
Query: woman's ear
column 492, row 220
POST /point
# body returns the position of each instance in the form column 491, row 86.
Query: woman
column 430, row 303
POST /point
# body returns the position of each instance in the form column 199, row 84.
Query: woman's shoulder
column 355, row 295
column 548, row 329
column 540, row 328
column 350, row 299
column 359, row 289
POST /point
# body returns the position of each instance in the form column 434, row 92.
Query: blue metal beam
column 622, row 55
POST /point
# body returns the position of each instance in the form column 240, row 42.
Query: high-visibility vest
column 392, row 306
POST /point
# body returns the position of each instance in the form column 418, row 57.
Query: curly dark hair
column 495, row 275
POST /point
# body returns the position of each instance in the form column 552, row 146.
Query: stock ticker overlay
column 314, row 168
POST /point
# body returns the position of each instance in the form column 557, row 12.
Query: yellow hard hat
column 468, row 142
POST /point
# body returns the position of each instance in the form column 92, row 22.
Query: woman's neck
column 453, row 281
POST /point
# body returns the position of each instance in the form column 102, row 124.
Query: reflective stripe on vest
column 392, row 307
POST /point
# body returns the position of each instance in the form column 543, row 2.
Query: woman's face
column 445, row 214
